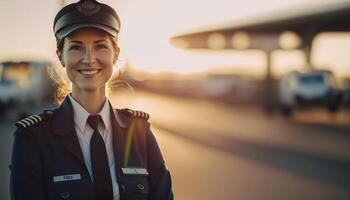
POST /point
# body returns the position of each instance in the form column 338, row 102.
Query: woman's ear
column 117, row 50
column 60, row 57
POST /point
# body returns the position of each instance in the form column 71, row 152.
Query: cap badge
column 88, row 8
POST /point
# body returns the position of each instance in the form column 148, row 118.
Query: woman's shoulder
column 35, row 121
column 126, row 116
column 134, row 113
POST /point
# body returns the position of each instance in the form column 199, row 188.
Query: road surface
column 216, row 151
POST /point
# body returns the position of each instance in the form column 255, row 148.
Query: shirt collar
column 81, row 115
column 105, row 114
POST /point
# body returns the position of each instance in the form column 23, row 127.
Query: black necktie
column 99, row 162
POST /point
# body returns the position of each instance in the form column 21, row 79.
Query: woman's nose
column 89, row 56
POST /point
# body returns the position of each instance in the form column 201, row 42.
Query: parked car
column 313, row 88
column 24, row 83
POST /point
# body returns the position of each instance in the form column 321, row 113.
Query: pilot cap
column 86, row 13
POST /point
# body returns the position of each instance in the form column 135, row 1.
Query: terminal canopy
column 266, row 33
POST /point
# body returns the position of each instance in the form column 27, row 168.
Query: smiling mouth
column 89, row 71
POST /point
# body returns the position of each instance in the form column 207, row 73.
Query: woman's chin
column 90, row 88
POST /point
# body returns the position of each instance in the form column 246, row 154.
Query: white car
column 312, row 88
column 24, row 83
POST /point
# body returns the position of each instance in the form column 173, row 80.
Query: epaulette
column 135, row 113
column 29, row 121
column 33, row 119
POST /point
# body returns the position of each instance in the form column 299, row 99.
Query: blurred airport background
column 248, row 100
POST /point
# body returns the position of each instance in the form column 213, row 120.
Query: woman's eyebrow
column 80, row 42
column 75, row 41
column 97, row 41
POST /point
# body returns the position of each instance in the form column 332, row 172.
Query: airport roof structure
column 306, row 25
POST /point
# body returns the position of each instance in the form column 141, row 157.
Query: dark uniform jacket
column 46, row 148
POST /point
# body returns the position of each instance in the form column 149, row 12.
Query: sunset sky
column 147, row 26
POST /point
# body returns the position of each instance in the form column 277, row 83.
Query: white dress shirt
column 84, row 133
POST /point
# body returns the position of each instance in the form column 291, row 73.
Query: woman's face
column 88, row 55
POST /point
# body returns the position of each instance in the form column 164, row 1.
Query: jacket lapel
column 63, row 126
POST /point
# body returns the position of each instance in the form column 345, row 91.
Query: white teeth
column 89, row 72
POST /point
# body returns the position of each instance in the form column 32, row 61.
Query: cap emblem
column 88, row 8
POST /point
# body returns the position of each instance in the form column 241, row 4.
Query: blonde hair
column 64, row 86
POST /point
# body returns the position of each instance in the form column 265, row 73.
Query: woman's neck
column 92, row 100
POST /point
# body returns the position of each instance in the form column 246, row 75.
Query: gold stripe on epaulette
column 25, row 122
column 35, row 118
column 20, row 124
column 29, row 121
column 129, row 111
column 136, row 113
column 146, row 115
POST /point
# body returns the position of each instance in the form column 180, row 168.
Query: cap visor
column 67, row 30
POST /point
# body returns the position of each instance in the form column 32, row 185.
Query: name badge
column 70, row 177
column 135, row 171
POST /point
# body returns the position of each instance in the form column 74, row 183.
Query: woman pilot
column 85, row 149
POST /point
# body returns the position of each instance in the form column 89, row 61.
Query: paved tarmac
column 217, row 151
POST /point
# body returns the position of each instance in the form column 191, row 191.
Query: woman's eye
column 74, row 47
column 101, row 46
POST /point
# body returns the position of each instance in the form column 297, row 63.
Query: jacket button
column 140, row 187
column 49, row 112
column 65, row 195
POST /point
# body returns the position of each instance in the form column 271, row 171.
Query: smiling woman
column 88, row 55
column 85, row 149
